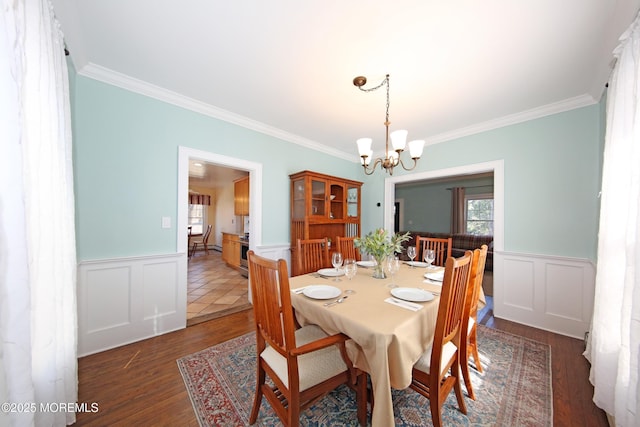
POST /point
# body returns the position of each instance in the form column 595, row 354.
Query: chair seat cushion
column 472, row 322
column 314, row 367
column 424, row 363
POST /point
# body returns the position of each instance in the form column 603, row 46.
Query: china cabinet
column 323, row 206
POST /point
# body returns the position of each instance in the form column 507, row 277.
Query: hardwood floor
column 139, row 384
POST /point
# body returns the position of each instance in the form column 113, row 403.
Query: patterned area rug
column 513, row 390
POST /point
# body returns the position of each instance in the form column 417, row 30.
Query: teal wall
column 126, row 150
column 552, row 169
column 126, row 160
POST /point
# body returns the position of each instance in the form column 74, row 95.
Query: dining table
column 391, row 322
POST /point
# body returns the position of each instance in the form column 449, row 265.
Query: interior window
column 196, row 218
column 479, row 214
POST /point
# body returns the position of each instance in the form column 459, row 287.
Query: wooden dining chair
column 442, row 248
column 438, row 369
column 204, row 242
column 469, row 344
column 347, row 248
column 312, row 254
column 303, row 364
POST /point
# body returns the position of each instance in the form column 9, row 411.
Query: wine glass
column 392, row 265
column 429, row 257
column 350, row 268
column 336, row 260
column 411, row 253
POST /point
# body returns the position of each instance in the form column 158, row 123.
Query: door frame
column 255, row 192
column 496, row 166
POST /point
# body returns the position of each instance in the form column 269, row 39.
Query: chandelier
column 398, row 140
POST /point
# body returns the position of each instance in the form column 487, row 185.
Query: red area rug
column 513, row 390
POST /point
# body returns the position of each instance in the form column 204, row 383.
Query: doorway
column 211, row 268
column 493, row 281
column 496, row 167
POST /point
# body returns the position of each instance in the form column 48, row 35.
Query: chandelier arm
column 372, row 167
column 415, row 163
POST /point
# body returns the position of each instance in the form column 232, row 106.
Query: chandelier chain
column 385, row 81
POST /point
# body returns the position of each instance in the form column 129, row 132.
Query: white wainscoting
column 129, row 299
column 125, row 300
column 546, row 292
column 274, row 252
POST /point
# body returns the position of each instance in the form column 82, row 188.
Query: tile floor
column 213, row 289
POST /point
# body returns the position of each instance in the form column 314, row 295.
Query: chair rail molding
column 548, row 292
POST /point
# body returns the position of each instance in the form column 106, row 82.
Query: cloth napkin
column 404, row 304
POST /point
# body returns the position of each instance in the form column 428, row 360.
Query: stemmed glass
column 336, row 260
column 411, row 253
column 429, row 257
column 393, row 265
column 350, row 268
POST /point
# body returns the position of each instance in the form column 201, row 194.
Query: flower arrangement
column 380, row 245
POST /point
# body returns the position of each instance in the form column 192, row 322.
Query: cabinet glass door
column 318, row 197
column 353, row 199
column 298, row 208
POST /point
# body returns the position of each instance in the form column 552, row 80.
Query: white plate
column 417, row 263
column 366, row 264
column 436, row 277
column 412, row 294
column 331, row 272
column 321, row 291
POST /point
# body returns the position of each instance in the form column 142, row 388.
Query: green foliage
column 380, row 244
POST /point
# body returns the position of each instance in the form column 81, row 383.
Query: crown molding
column 126, row 82
column 524, row 116
column 106, row 75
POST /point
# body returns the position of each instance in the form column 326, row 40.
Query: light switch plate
column 166, row 222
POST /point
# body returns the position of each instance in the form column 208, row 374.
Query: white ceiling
column 285, row 67
column 203, row 174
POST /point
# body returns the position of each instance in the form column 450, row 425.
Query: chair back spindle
column 313, row 254
column 348, row 249
column 441, row 247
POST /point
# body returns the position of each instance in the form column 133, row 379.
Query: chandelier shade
column 392, row 157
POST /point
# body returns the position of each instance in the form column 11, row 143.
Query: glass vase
column 378, row 270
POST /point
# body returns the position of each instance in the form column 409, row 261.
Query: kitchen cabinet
column 323, row 206
column 241, row 196
column 231, row 249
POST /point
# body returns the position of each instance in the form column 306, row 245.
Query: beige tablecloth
column 387, row 339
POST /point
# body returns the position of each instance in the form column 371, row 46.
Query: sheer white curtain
column 38, row 325
column 614, row 341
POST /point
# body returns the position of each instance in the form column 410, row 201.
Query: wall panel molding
column 124, row 300
column 547, row 292
column 129, row 299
